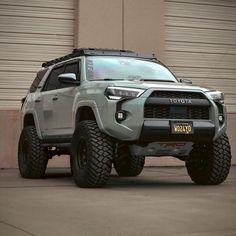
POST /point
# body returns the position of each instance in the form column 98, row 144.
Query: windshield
column 123, row 68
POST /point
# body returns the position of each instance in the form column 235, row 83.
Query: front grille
column 172, row 112
column 177, row 94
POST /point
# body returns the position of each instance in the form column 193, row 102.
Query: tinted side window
column 52, row 81
column 72, row 68
column 37, row 80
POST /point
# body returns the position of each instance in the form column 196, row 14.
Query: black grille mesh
column 164, row 112
column 174, row 112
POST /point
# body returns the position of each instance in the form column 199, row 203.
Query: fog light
column 221, row 118
column 120, row 115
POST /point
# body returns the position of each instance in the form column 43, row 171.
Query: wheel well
column 84, row 113
column 29, row 120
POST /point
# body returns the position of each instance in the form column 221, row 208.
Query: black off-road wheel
column 32, row 156
column 209, row 164
column 92, row 154
column 125, row 164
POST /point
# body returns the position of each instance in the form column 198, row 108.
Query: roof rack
column 98, row 52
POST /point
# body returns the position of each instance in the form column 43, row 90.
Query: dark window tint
column 72, row 68
column 52, row 82
column 37, row 80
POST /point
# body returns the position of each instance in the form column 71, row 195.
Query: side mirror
column 185, row 81
column 68, row 78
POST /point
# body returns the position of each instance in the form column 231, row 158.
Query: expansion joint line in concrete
column 16, row 227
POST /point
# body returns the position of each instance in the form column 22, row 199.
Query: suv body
column 135, row 104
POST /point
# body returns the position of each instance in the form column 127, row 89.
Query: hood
column 159, row 85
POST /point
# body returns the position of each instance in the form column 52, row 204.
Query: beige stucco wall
column 122, row 24
column 144, row 26
column 100, row 24
column 9, row 135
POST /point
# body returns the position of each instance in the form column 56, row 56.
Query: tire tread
column 37, row 156
column 219, row 162
column 101, row 155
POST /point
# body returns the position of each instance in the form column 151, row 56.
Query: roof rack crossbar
column 98, row 52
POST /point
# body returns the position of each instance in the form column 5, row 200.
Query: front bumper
column 160, row 130
column 137, row 128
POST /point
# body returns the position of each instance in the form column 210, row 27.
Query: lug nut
column 221, row 118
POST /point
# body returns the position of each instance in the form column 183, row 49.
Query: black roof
column 98, row 52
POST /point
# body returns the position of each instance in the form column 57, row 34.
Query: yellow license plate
column 182, row 128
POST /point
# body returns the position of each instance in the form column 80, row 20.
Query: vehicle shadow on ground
column 142, row 181
column 57, row 175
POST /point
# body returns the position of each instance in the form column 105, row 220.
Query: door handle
column 38, row 100
column 54, row 98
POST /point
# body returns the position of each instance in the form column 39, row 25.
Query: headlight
column 117, row 93
column 217, row 96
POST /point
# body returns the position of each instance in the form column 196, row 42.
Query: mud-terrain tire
column 209, row 164
column 32, row 156
column 125, row 164
column 92, row 155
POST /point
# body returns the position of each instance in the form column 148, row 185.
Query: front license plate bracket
column 182, row 127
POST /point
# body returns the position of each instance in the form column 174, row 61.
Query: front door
column 57, row 102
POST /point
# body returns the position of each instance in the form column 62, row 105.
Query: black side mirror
column 68, row 78
column 185, row 81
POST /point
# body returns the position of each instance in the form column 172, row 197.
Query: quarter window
column 37, row 80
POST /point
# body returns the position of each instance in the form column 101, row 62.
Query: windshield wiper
column 106, row 79
column 157, row 80
column 152, row 80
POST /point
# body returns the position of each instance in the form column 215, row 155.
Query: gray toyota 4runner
column 105, row 107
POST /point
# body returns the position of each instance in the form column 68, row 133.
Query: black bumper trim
column 160, row 130
column 57, row 139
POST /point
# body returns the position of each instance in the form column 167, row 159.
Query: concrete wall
column 144, row 26
column 9, row 136
column 127, row 24
column 100, row 24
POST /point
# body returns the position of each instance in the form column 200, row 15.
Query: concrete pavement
column 161, row 201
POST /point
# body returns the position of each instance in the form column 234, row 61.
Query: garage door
column 31, row 31
column 201, row 43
